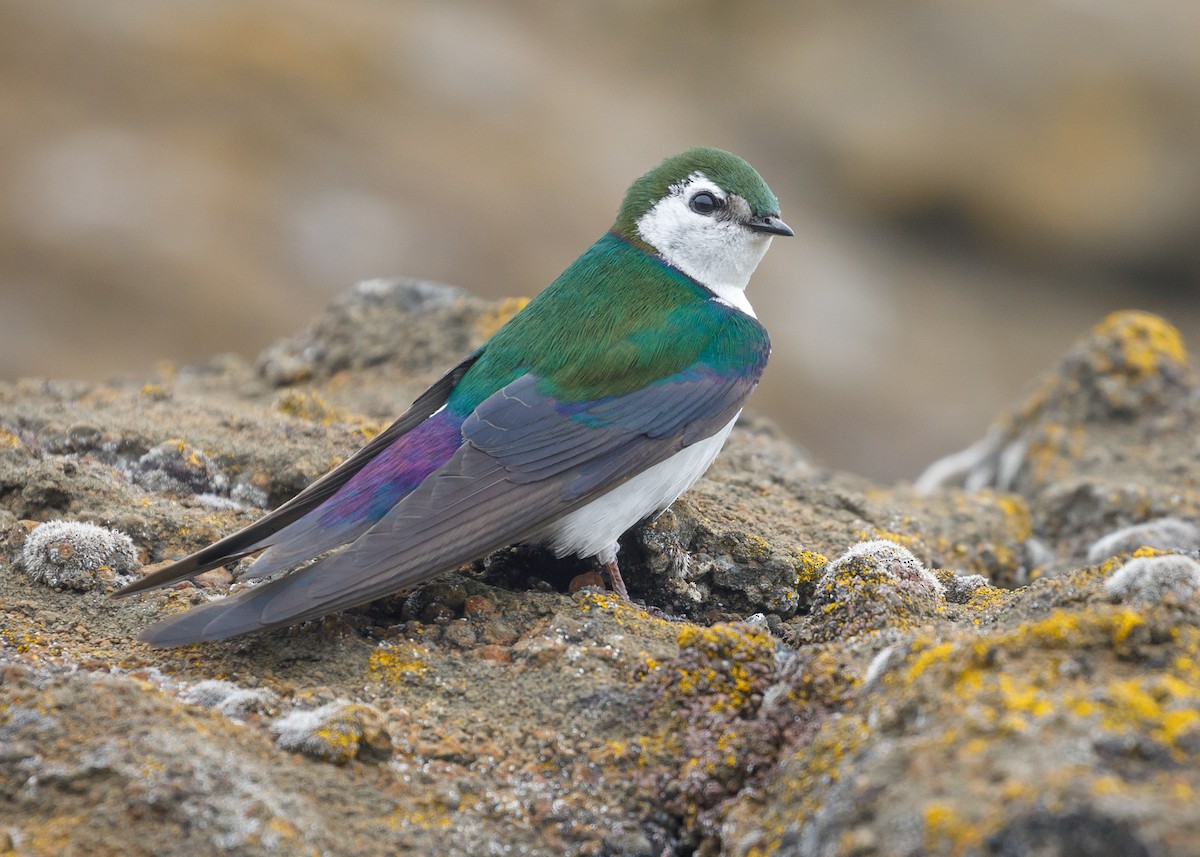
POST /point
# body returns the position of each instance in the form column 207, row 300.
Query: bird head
column 705, row 212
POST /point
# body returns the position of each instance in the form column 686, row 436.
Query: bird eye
column 704, row 203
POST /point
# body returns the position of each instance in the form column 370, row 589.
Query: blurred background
column 972, row 185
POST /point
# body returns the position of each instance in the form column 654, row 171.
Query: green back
column 615, row 321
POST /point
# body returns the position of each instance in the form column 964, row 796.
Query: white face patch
column 716, row 251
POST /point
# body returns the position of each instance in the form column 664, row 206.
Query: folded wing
column 527, row 460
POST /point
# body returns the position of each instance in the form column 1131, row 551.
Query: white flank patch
column 593, row 530
column 719, row 253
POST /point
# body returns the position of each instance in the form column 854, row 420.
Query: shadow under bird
column 592, row 409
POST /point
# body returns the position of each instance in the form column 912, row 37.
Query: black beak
column 770, row 224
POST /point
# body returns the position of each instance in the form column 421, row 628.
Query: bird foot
column 614, row 578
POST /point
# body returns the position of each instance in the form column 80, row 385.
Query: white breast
column 593, row 530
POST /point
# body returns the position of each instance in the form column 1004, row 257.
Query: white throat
column 719, row 252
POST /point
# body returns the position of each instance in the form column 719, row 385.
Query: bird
column 590, row 410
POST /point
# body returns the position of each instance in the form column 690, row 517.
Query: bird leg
column 614, row 579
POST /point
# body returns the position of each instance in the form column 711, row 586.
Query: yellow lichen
column 1141, row 705
column 1017, row 519
column 492, row 320
column 1076, row 630
column 395, row 664
column 928, row 657
column 8, row 440
column 987, row 597
column 946, row 831
column 1147, row 343
column 728, row 653
column 809, row 565
column 621, row 610
column 311, row 407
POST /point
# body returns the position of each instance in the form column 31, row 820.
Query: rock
column 873, row 586
column 1099, row 445
column 359, row 330
column 960, row 588
column 77, row 555
column 1151, row 579
column 176, row 468
column 957, row 679
column 1161, row 534
column 338, row 732
column 230, row 699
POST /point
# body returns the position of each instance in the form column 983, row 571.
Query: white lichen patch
column 1151, row 579
column 893, row 559
column 230, row 699
column 959, row 588
column 1161, row 534
column 337, row 732
column 77, row 555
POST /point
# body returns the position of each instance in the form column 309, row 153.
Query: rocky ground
column 1003, row 660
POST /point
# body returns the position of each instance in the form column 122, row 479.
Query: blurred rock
column 1103, row 443
column 205, row 179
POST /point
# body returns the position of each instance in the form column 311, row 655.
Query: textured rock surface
column 759, row 699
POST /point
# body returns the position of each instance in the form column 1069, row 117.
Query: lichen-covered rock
column 337, row 732
column 872, row 586
column 960, row 681
column 960, row 588
column 893, row 773
column 1131, row 366
column 77, row 555
column 707, row 700
column 230, row 699
column 175, row 467
column 1097, row 447
column 1151, row 579
column 1161, row 534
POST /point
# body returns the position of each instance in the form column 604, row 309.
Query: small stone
column 893, row 559
column 175, row 467
column 496, row 654
column 959, row 588
column 460, row 634
column 478, row 605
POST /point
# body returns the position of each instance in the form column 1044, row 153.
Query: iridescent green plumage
column 635, row 321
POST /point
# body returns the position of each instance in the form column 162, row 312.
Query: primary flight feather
column 591, row 409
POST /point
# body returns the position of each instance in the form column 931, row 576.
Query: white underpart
column 718, row 253
column 593, row 530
